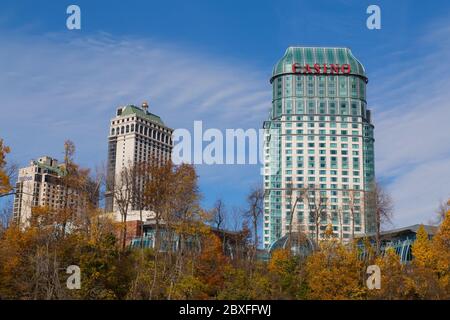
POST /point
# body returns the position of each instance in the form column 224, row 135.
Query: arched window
column 132, row 127
column 122, row 129
column 113, row 131
column 127, row 129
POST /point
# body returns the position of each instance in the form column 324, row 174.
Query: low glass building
column 234, row 243
column 319, row 146
column 400, row 240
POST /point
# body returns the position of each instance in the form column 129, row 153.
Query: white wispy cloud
column 412, row 111
column 79, row 82
column 57, row 86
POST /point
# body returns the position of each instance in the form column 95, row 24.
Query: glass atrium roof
column 300, row 245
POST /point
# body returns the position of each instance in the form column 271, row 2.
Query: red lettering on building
column 295, row 66
column 317, row 68
column 346, row 68
column 307, row 69
column 334, row 68
column 321, row 69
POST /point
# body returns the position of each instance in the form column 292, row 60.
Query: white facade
column 135, row 136
column 318, row 146
column 39, row 185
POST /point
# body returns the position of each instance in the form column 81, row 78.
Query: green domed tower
column 319, row 146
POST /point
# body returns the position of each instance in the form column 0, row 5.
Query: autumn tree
column 334, row 272
column 241, row 284
column 379, row 203
column 422, row 282
column 441, row 211
column 121, row 189
column 287, row 275
column 140, row 174
column 158, row 190
column 159, row 198
column 441, row 248
column 190, row 287
column 7, row 172
column 55, row 238
column 353, row 205
column 317, row 203
column 211, row 264
column 171, row 193
column 218, row 218
column 255, row 201
column 421, row 249
column 393, row 277
column 33, row 260
column 5, row 186
column 293, row 197
column 78, row 192
column 187, row 220
column 339, row 215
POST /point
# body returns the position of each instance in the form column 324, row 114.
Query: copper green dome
column 319, row 55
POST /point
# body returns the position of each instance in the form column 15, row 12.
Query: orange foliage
column 211, row 263
column 4, row 178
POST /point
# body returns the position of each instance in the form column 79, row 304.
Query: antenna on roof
column 145, row 106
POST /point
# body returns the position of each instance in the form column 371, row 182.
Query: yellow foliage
column 211, row 263
column 278, row 261
column 189, row 287
column 441, row 249
column 4, row 178
column 329, row 231
column 334, row 273
column 421, row 249
column 393, row 277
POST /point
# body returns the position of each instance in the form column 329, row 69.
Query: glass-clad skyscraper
column 319, row 147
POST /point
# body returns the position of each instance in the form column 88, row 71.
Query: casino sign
column 321, row 68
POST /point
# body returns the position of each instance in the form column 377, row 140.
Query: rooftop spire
column 145, row 106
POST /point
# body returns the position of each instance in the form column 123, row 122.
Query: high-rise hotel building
column 135, row 136
column 319, row 146
column 40, row 185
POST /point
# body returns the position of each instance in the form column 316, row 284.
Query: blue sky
column 211, row 61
